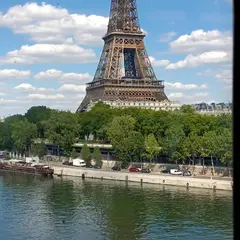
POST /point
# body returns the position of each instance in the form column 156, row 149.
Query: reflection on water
column 71, row 208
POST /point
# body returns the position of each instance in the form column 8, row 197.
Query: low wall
column 143, row 178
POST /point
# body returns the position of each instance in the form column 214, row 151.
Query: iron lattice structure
column 124, row 71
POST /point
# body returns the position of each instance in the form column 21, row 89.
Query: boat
column 23, row 167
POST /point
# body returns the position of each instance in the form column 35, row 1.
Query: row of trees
column 181, row 135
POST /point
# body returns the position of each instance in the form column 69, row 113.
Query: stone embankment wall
column 142, row 177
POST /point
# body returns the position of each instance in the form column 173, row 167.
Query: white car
column 175, row 172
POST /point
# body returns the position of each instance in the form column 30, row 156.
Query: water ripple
column 70, row 208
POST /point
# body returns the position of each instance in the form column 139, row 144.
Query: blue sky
column 49, row 50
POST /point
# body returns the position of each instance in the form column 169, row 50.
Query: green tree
column 95, row 121
column 210, row 145
column 152, row 147
column 85, row 153
column 191, row 147
column 62, row 128
column 23, row 133
column 37, row 115
column 174, row 136
column 128, row 143
column 187, row 109
column 74, row 153
column 224, row 143
column 97, row 156
column 6, row 141
column 39, row 149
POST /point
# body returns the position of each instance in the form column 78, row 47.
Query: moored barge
column 24, row 167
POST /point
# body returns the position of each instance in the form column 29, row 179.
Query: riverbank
column 154, row 178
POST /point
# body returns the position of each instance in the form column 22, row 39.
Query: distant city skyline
column 49, row 51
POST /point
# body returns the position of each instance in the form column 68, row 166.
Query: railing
column 126, row 82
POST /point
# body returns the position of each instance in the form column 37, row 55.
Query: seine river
column 41, row 208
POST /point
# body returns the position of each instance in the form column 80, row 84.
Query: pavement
column 152, row 173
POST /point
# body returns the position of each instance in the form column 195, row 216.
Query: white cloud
column 180, row 86
column 181, row 95
column 26, row 87
column 49, row 74
column 228, row 88
column 213, row 57
column 200, row 41
column 13, row 74
column 63, row 77
column 224, row 76
column 79, row 97
column 2, row 94
column 207, row 73
column 37, row 96
column 72, row 88
column 166, row 37
column 7, row 101
column 46, row 23
column 158, row 63
column 45, row 53
column 190, row 99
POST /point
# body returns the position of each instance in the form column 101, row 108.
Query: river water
column 34, row 207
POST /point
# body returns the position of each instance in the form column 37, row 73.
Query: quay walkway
column 215, row 183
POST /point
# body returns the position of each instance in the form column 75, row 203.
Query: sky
column 50, row 50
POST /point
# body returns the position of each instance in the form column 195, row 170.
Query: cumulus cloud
column 26, row 87
column 190, row 99
column 49, row 74
column 46, row 23
column 13, row 74
column 224, row 76
column 36, row 96
column 45, row 53
column 200, row 41
column 207, row 73
column 167, row 37
column 203, row 47
column 53, row 74
column 180, row 86
column 214, row 57
column 72, row 88
column 7, row 101
column 158, row 63
column 228, row 88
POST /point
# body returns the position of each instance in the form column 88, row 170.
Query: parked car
column 145, row 170
column 187, row 173
column 116, row 168
column 165, row 171
column 134, row 169
column 175, row 172
column 89, row 165
column 96, row 166
column 67, row 163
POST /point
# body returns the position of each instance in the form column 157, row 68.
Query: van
column 175, row 172
column 79, row 162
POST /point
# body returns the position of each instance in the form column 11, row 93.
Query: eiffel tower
column 124, row 71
